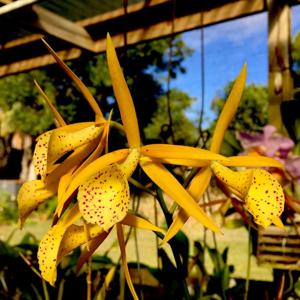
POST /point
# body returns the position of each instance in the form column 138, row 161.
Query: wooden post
column 279, row 44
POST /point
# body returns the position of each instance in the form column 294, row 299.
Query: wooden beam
column 279, row 44
column 142, row 23
column 62, row 28
column 15, row 5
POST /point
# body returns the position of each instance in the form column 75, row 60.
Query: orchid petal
column 228, row 110
column 167, row 182
column 164, row 151
column 76, row 158
column 60, row 121
column 120, row 234
column 138, row 222
column 277, row 222
column 92, row 247
column 104, row 197
column 85, row 91
column 75, row 236
column 123, row 96
column 101, row 294
column 50, row 244
column 265, row 199
column 40, row 154
column 239, row 182
column 63, row 140
column 31, row 195
column 252, row 161
column 196, row 189
column 262, row 193
column 195, row 163
column 93, row 168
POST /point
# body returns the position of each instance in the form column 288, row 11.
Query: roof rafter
column 144, row 21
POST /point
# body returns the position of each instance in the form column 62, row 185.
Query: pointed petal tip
column 278, row 223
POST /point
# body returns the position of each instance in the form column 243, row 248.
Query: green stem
column 172, row 242
column 61, row 290
column 248, row 264
column 45, row 290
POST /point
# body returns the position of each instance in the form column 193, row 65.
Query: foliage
column 252, row 113
column 184, row 130
column 8, row 207
column 144, row 65
column 22, row 106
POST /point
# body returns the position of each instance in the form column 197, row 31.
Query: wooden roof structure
column 75, row 26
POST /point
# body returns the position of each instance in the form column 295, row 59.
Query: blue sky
column 227, row 46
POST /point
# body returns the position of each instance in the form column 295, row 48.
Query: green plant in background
column 8, row 207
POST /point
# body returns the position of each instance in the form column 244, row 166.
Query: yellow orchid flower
column 65, row 236
column 261, row 192
column 62, row 150
column 201, row 180
column 105, row 180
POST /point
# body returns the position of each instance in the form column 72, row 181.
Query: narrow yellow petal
column 228, row 110
column 120, row 234
column 93, row 168
column 181, row 162
column 40, row 154
column 168, row 183
column 92, row 247
column 85, row 91
column 123, row 97
column 252, row 161
column 164, row 151
column 50, row 244
column 278, row 223
column 196, row 189
column 104, row 197
column 265, row 198
column 31, row 195
column 62, row 186
column 59, row 119
column 138, row 222
column 62, row 142
column 101, row 294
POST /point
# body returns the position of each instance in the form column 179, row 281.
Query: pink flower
column 269, row 143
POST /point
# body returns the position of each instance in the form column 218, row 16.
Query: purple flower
column 269, row 143
column 292, row 165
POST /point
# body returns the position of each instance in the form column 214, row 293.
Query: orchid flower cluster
column 91, row 183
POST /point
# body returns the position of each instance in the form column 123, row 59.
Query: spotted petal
column 265, row 199
column 68, row 138
column 50, row 245
column 40, row 154
column 261, row 192
column 104, row 198
column 31, row 195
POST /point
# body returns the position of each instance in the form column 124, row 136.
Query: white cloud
column 236, row 31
